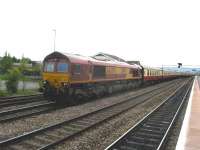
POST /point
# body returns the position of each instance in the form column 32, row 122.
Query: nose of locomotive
column 56, row 80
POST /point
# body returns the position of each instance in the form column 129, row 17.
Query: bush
column 5, row 63
column 1, row 92
column 13, row 77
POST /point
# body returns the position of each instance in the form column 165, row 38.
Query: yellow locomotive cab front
column 56, row 77
column 56, row 80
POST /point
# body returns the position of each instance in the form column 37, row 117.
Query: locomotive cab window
column 62, row 67
column 49, row 67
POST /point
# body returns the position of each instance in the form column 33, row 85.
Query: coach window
column 77, row 68
column 62, row 67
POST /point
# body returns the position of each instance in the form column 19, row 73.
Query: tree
column 1, row 93
column 22, row 69
column 12, row 77
column 36, row 70
column 15, row 60
column 6, row 63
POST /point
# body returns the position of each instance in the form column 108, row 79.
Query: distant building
column 35, row 63
column 30, row 65
column 18, row 64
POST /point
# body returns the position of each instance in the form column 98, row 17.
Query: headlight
column 65, row 83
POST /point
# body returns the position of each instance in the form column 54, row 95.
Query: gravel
column 173, row 138
column 18, row 127
column 24, row 125
column 104, row 134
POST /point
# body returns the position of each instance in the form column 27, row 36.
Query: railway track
column 152, row 131
column 21, row 112
column 198, row 79
column 51, row 135
column 44, row 106
column 19, row 100
column 19, row 96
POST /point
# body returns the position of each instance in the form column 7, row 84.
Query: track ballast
column 152, row 131
column 53, row 134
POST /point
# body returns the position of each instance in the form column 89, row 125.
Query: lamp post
column 54, row 46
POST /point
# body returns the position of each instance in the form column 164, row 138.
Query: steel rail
column 12, row 102
column 16, row 97
column 136, row 138
column 91, row 119
column 25, row 111
column 198, row 79
column 162, row 143
column 19, row 100
column 14, row 117
column 100, row 121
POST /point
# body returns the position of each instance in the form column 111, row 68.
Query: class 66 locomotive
column 70, row 78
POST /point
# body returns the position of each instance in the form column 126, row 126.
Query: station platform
column 189, row 138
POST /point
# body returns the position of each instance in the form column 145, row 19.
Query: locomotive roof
column 79, row 59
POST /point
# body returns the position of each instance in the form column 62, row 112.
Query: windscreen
column 62, row 67
column 49, row 67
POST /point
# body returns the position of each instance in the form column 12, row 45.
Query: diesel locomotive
column 72, row 77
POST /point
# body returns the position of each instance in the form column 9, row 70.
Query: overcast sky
column 153, row 31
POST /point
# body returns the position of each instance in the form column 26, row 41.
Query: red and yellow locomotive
column 69, row 75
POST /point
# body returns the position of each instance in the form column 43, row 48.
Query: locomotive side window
column 49, row 67
column 77, row 68
column 62, row 67
column 99, row 71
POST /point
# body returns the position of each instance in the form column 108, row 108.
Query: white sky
column 153, row 31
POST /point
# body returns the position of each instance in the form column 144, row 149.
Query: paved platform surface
column 189, row 138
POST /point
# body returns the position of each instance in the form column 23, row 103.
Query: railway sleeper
column 44, row 139
column 148, row 135
column 31, row 145
column 161, row 125
column 144, row 140
column 77, row 125
column 154, row 127
column 140, row 144
column 52, row 135
column 126, row 148
column 147, row 130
